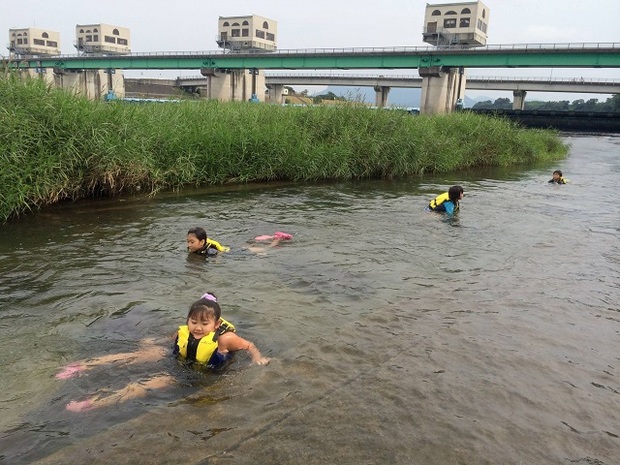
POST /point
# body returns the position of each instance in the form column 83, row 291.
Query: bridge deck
column 576, row 55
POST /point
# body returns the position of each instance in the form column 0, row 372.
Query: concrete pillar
column 45, row 74
column 381, row 96
column 92, row 84
column 441, row 88
column 276, row 93
column 519, row 99
column 228, row 85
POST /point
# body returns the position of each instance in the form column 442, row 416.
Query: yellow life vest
column 217, row 245
column 207, row 344
column 439, row 200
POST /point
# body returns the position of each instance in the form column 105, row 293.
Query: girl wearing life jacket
column 199, row 243
column 206, row 338
column 557, row 178
column 448, row 201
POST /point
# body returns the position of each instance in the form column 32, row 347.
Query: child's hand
column 262, row 361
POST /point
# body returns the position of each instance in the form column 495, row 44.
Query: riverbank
column 55, row 146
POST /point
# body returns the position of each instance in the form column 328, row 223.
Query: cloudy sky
column 163, row 25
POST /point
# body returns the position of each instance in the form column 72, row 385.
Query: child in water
column 448, row 201
column 206, row 338
column 557, row 178
column 198, row 243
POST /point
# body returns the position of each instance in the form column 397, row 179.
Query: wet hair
column 455, row 192
column 558, row 172
column 205, row 309
column 200, row 233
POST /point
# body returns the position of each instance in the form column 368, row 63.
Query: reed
column 56, row 146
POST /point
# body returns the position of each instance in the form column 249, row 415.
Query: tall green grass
column 56, row 146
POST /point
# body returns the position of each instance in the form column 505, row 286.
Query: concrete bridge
column 441, row 68
column 276, row 82
column 383, row 84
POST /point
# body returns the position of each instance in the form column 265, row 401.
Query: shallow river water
column 397, row 336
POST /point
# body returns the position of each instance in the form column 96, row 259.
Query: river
column 397, row 336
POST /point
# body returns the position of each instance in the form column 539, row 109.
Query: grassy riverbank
column 55, row 146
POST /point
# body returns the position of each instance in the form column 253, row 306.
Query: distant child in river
column 206, row 338
column 448, row 201
column 198, row 243
column 557, row 178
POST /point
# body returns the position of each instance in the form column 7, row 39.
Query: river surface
column 397, row 336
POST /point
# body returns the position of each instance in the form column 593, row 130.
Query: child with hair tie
column 206, row 339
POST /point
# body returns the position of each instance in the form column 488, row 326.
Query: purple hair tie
column 208, row 296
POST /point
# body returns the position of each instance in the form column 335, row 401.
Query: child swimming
column 557, row 178
column 198, row 243
column 206, row 339
column 448, row 201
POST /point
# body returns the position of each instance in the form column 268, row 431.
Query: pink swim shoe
column 282, row 236
column 71, row 370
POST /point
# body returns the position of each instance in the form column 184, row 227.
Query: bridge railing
column 589, row 46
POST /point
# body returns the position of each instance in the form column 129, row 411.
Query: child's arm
column 449, row 208
column 217, row 245
column 230, row 342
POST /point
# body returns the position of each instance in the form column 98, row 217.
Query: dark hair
column 558, row 172
column 204, row 308
column 454, row 193
column 200, row 233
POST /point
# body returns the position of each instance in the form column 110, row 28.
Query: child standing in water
column 206, row 338
column 200, row 244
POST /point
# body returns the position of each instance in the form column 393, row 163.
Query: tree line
column 612, row 105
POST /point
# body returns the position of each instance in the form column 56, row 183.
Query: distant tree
column 330, row 96
column 577, row 105
column 562, row 105
column 614, row 103
column 502, row 103
column 591, row 104
column 485, row 105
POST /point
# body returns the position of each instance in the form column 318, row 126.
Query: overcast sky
column 163, row 25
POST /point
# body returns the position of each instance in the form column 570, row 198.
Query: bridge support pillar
column 381, row 96
column 92, row 84
column 238, row 85
column 519, row 99
column 276, row 93
column 441, row 89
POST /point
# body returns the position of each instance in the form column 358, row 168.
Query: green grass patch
column 56, row 146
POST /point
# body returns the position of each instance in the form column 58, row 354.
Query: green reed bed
column 56, row 146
